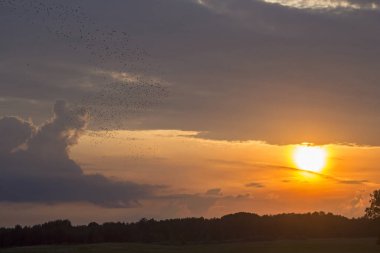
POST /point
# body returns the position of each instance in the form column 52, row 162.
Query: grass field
column 367, row 245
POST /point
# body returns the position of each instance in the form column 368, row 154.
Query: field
column 367, row 245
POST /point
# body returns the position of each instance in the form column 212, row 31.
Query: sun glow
column 310, row 158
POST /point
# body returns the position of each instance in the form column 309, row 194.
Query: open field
column 366, row 245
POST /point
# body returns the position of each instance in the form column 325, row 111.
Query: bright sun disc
column 310, row 158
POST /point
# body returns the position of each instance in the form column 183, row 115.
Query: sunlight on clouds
column 128, row 77
column 200, row 2
column 324, row 4
column 245, row 8
column 119, row 76
column 189, row 164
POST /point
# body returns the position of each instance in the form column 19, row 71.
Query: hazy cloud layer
column 237, row 70
column 322, row 175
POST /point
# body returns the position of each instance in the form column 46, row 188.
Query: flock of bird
column 106, row 48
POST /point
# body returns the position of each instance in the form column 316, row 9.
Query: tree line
column 230, row 228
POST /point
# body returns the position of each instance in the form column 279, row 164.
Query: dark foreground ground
column 366, row 245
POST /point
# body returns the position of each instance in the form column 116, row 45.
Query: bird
column 108, row 49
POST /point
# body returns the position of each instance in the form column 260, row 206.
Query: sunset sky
column 123, row 109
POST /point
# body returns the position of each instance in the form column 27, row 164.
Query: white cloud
column 119, row 76
column 222, row 6
column 325, row 4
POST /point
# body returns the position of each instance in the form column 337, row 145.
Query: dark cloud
column 14, row 132
column 43, row 172
column 214, row 192
column 255, row 185
column 319, row 174
column 345, row 181
column 295, row 76
column 35, row 167
column 237, row 70
column 87, row 60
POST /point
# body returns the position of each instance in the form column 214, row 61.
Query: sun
column 310, row 158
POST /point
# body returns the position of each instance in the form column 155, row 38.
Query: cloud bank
column 35, row 165
column 237, row 69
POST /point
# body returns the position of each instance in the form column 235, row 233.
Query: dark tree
column 230, row 228
column 373, row 211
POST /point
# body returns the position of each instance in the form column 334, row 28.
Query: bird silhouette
column 107, row 49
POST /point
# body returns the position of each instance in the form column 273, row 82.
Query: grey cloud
column 255, row 185
column 264, row 72
column 43, row 172
column 214, row 192
column 13, row 132
column 107, row 97
column 304, row 86
column 345, row 181
column 76, row 51
column 55, row 137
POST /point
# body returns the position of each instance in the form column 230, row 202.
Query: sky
column 118, row 110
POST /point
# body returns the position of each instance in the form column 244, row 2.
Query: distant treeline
column 229, row 228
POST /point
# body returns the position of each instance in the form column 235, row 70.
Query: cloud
column 214, row 192
column 43, row 172
column 255, row 185
column 35, row 167
column 350, row 181
column 297, row 76
column 236, row 8
column 355, row 205
column 322, row 175
column 327, row 4
column 13, row 132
